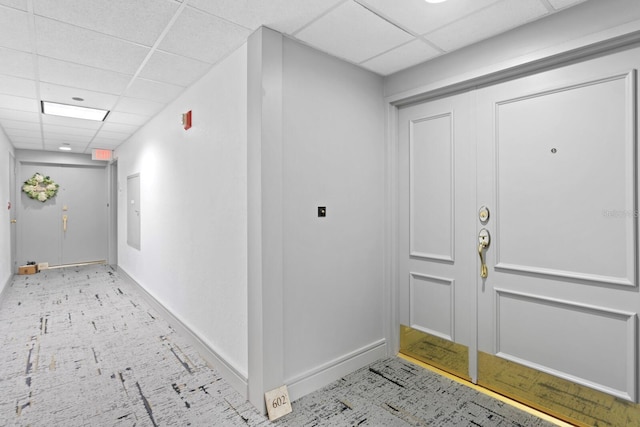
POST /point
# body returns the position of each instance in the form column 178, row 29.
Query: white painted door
column 436, row 201
column 84, row 195
column 557, row 162
column 556, row 165
column 45, row 235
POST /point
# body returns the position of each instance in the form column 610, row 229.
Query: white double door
column 553, row 158
column 72, row 227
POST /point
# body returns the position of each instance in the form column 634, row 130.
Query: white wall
column 193, row 256
column 333, row 156
column 316, row 285
column 6, row 151
column 574, row 28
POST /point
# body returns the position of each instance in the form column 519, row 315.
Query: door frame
column 13, row 214
column 112, row 215
column 54, row 159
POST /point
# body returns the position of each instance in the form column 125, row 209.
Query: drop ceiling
column 134, row 57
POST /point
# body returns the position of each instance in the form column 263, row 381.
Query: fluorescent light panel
column 73, row 111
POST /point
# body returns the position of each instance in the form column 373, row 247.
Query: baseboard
column 228, row 372
column 319, row 377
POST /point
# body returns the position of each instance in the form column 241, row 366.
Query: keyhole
column 554, row 151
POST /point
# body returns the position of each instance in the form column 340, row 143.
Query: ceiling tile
column 140, row 21
column 422, row 17
column 109, row 144
column 153, row 91
column 66, row 137
column 19, row 103
column 493, row 20
column 25, row 116
column 63, row 95
column 104, row 144
column 76, row 146
column 17, row 4
column 81, row 76
column 23, row 146
column 126, row 118
column 220, row 37
column 138, row 106
column 173, row 69
column 112, row 136
column 14, row 29
column 27, row 140
column 71, row 122
column 74, row 44
column 354, row 33
column 17, row 124
column 29, row 133
column 118, row 128
column 51, row 129
column 16, row 63
column 401, row 57
column 285, row 16
column 17, row 86
column 561, row 4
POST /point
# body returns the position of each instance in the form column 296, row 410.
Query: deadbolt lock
column 483, row 214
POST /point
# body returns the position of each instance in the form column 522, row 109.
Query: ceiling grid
column 133, row 58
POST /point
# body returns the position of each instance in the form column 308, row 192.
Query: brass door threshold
column 487, row 392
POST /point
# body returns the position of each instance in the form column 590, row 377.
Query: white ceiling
column 134, row 57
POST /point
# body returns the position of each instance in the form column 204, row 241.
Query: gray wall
column 333, row 157
column 316, row 138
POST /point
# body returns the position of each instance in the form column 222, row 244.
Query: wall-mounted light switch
column 322, row 211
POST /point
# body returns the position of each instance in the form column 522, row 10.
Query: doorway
column 72, row 227
column 518, row 230
column 13, row 264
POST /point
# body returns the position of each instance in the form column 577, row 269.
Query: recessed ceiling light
column 435, row 1
column 73, row 111
column 64, row 148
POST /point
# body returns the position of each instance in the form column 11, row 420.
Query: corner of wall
column 264, row 206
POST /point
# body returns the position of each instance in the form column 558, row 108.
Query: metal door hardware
column 483, row 214
column 484, row 239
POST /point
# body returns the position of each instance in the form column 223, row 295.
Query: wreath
column 40, row 187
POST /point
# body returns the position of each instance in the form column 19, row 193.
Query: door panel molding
column 533, row 176
column 562, row 274
column 558, row 336
column 436, row 316
column 428, row 163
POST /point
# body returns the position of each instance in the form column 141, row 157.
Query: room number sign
column 278, row 403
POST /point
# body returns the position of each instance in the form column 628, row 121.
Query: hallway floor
column 80, row 347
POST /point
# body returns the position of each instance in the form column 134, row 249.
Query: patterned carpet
column 80, row 347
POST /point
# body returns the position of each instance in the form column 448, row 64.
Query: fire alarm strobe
column 186, row 120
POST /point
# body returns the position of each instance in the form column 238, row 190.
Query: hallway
column 81, row 347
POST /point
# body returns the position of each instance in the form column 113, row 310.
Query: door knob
column 13, row 221
column 483, row 239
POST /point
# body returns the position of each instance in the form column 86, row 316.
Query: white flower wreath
column 40, row 187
